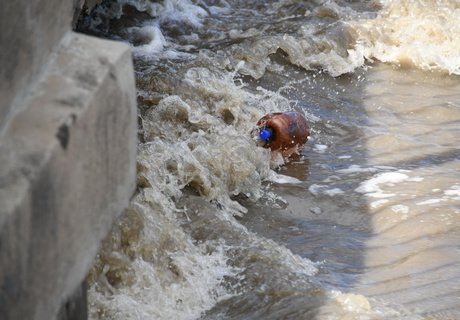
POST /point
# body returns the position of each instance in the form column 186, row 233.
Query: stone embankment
column 67, row 155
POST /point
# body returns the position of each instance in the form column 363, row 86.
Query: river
column 362, row 224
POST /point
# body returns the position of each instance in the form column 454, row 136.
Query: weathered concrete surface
column 30, row 30
column 67, row 168
column 76, row 307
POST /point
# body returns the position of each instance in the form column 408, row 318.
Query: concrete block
column 31, row 30
column 76, row 307
column 67, row 169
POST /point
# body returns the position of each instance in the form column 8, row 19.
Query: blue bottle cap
column 265, row 134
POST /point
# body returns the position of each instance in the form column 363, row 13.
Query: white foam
column 170, row 10
column 152, row 33
column 422, row 34
column 400, row 208
column 283, row 179
column 320, row 148
column 333, row 192
column 356, row 306
column 317, row 189
column 415, row 33
column 351, row 302
column 188, row 143
column 332, row 178
column 430, row 201
column 372, row 188
column 150, row 36
column 378, row 203
column 453, row 191
column 183, row 11
column 416, row 179
column 156, row 293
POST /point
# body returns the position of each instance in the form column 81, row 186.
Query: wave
column 339, row 38
column 335, row 36
column 192, row 164
column 422, row 34
column 180, row 249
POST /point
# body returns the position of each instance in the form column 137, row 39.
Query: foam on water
column 283, row 179
column 353, row 303
column 357, row 169
column 181, row 250
column 406, row 33
column 151, row 36
column 189, row 284
column 345, row 305
column 317, row 189
column 150, row 268
column 200, row 143
column 371, row 187
column 451, row 194
column 413, row 33
column 430, row 201
column 183, row 11
column 320, row 148
column 147, row 38
column 378, row 203
column 420, row 34
column 400, row 208
column 453, row 191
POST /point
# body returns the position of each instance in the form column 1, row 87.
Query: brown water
column 363, row 224
column 383, row 212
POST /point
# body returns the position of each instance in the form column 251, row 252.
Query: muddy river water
column 363, row 224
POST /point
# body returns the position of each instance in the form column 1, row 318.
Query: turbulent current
column 362, row 224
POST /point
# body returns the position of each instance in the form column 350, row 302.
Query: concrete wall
column 30, row 31
column 67, row 153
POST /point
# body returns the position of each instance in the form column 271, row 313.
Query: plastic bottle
column 283, row 132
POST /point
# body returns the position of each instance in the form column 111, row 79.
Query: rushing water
column 362, row 224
